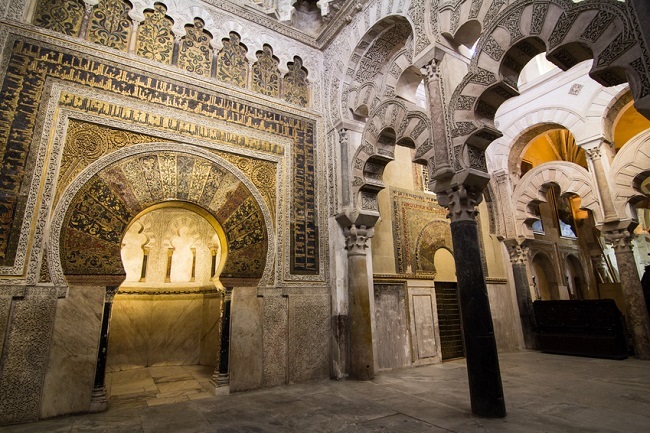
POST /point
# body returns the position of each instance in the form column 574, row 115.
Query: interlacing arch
column 569, row 177
column 568, row 32
column 390, row 124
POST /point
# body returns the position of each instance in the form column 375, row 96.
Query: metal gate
column 451, row 337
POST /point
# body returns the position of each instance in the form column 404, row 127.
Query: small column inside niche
column 193, row 277
column 168, row 273
column 213, row 267
column 145, row 259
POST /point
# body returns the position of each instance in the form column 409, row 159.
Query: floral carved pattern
column 232, row 65
column 110, row 24
column 296, row 89
column 155, row 39
column 266, row 75
column 63, row 16
column 195, row 54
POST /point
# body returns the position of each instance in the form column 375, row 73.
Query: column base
column 98, row 399
column 220, row 384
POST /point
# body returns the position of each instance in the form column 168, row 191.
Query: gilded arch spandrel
column 244, row 216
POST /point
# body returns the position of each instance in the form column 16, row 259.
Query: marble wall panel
column 148, row 330
column 246, row 355
column 275, row 340
column 391, row 326
column 210, row 330
column 28, row 338
column 309, row 333
column 504, row 317
column 424, row 332
column 176, row 330
column 70, row 374
column 129, row 332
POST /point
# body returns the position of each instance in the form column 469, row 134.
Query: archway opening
column 545, row 283
column 575, row 280
column 165, row 324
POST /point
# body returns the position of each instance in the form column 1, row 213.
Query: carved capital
column 461, row 201
column 621, row 240
column 344, row 137
column 593, row 153
column 111, row 291
column 518, row 254
column 356, row 239
column 431, row 70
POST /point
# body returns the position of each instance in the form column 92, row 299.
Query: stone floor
column 544, row 393
column 153, row 386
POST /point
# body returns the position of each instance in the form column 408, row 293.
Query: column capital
column 518, row 254
column 111, row 291
column 621, row 239
column 593, row 153
column 431, row 70
column 344, row 136
column 461, row 201
column 356, row 239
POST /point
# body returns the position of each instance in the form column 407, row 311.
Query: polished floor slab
column 544, row 393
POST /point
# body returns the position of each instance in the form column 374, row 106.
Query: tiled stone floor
column 544, row 393
column 153, row 386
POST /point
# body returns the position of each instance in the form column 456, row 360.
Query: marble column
column 595, row 159
column 362, row 364
column 135, row 24
column 221, row 376
column 519, row 259
column 98, row 400
column 637, row 314
column 485, row 389
column 439, row 165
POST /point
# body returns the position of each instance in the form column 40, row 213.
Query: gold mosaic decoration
column 86, row 143
column 413, row 214
column 261, row 173
column 296, row 89
column 232, row 65
column 63, row 16
column 266, row 75
column 155, row 39
column 103, row 208
column 196, row 53
column 30, row 65
column 110, row 24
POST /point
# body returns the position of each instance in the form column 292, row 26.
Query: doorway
column 165, row 337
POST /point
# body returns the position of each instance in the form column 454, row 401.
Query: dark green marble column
column 486, row 392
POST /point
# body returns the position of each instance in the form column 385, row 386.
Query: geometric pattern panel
column 30, row 65
column 100, row 212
